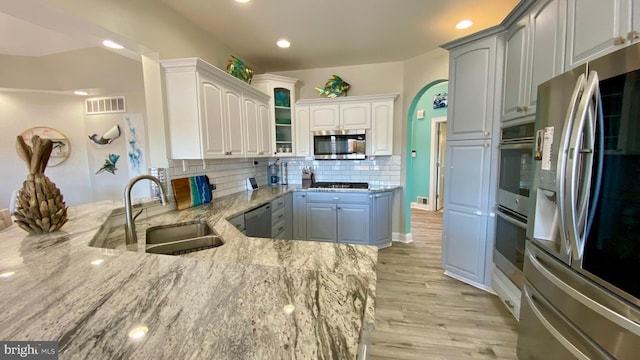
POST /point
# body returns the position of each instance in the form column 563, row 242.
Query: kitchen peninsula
column 251, row 298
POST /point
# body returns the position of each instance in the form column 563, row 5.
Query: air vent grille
column 106, row 105
column 423, row 200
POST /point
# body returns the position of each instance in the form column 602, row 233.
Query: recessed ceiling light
column 243, row 1
column 111, row 44
column 283, row 43
column 80, row 92
column 464, row 24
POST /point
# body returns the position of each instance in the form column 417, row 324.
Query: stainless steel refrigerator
column 581, row 294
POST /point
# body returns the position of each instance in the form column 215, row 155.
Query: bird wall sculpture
column 108, row 137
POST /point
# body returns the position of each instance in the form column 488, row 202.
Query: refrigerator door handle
column 581, row 147
column 563, row 152
column 552, row 330
column 625, row 323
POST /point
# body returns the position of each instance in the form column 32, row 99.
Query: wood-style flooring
column 423, row 314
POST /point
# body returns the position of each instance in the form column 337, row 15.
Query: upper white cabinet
column 349, row 116
column 533, row 54
column 597, row 27
column 380, row 137
column 324, row 117
column 282, row 104
column 355, row 115
column 210, row 114
column 303, row 132
column 372, row 113
column 472, row 73
column 258, row 129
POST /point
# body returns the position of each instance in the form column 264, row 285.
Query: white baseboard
column 472, row 283
column 402, row 237
column 415, row 205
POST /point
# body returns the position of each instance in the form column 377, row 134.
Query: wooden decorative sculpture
column 40, row 208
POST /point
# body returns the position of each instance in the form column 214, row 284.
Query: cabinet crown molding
column 273, row 77
column 521, row 8
column 348, row 99
column 196, row 64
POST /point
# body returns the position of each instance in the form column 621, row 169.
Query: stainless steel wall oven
column 516, row 157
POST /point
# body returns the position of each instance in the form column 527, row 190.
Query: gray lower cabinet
column 299, row 216
column 380, row 222
column 321, row 222
column 353, row 223
column 282, row 217
column 353, row 218
column 464, row 243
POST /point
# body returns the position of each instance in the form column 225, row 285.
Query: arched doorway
column 427, row 112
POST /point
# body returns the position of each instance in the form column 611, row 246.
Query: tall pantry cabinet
column 470, row 138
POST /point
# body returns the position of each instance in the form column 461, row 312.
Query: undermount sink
column 174, row 232
column 186, row 246
column 177, row 239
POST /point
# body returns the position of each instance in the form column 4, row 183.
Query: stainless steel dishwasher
column 257, row 222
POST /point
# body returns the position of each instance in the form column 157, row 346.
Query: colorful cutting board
column 191, row 191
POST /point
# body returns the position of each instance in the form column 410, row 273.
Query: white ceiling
column 19, row 37
column 35, row 58
column 326, row 33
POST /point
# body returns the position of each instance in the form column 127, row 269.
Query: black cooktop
column 341, row 185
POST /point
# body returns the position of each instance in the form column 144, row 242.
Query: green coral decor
column 334, row 87
column 237, row 68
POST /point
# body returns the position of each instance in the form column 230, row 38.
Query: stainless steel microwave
column 339, row 144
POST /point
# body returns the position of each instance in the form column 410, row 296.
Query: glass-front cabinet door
column 283, row 97
column 283, row 115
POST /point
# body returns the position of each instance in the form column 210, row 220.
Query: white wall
column 76, row 177
column 365, row 79
column 107, row 186
column 20, row 111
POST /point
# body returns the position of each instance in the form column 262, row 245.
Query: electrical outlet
column 420, row 114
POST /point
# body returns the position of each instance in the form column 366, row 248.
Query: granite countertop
column 223, row 303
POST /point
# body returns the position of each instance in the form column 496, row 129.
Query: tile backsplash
column 229, row 175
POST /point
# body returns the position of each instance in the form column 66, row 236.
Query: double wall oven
column 516, row 156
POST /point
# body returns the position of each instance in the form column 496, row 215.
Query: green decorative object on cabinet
column 237, row 68
column 334, row 87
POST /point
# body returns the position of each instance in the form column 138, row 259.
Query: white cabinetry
column 282, row 91
column 209, row 112
column 533, row 54
column 355, row 115
column 303, row 132
column 258, row 133
column 372, row 113
column 347, row 116
column 324, row 117
column 380, row 137
column 596, row 28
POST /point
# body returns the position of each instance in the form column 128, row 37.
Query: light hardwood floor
column 423, row 314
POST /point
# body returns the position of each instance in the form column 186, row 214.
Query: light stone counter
column 222, row 303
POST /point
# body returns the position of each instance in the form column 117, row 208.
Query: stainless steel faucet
column 131, row 237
